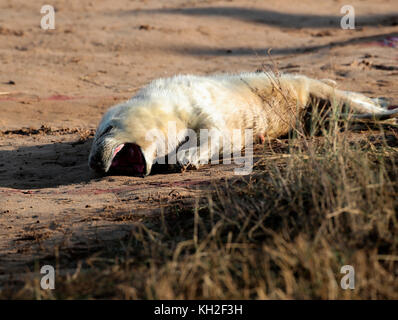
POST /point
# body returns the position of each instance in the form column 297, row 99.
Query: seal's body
column 270, row 105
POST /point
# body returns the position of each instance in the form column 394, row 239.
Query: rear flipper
column 363, row 107
column 383, row 102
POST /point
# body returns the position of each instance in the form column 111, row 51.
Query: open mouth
column 128, row 159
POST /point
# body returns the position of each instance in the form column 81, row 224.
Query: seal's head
column 114, row 148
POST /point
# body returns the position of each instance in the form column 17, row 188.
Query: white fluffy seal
column 263, row 102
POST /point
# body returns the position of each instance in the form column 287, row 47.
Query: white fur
column 263, row 102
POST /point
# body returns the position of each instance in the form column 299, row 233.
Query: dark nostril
column 95, row 163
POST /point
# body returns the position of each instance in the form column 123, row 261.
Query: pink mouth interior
column 128, row 159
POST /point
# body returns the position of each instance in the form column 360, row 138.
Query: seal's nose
column 96, row 164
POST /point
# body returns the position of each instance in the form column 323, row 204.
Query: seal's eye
column 107, row 130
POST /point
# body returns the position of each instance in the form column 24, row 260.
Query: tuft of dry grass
column 316, row 201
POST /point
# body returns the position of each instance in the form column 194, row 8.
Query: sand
column 56, row 84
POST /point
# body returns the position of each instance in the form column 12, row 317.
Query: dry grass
column 312, row 205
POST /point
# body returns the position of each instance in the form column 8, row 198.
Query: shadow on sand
column 274, row 18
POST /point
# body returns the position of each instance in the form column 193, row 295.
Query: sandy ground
column 56, row 84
